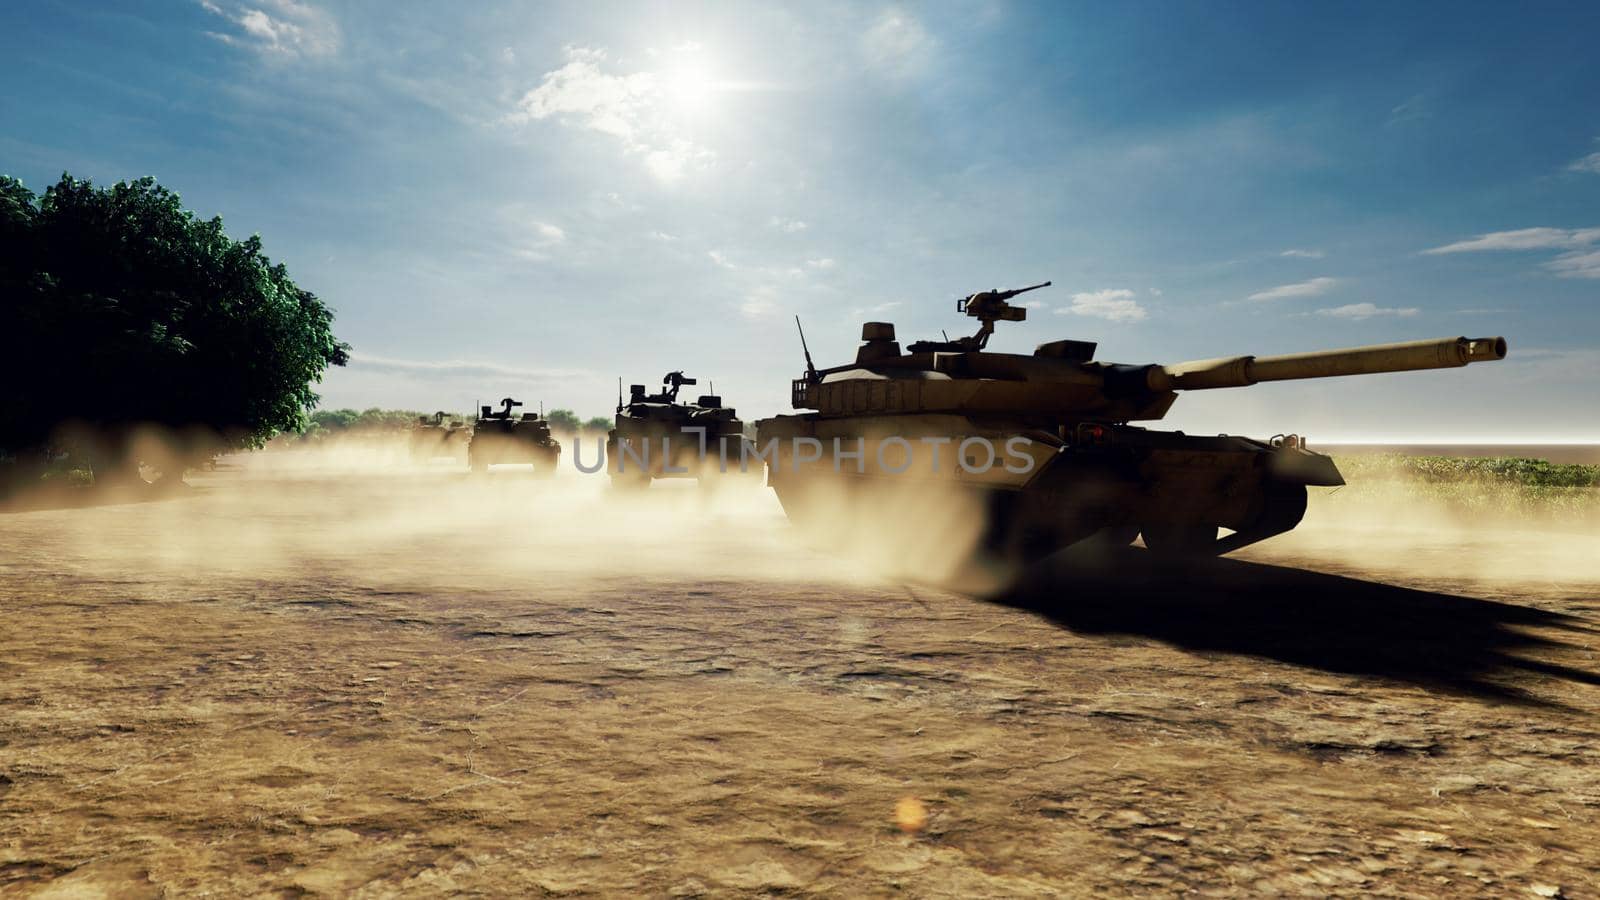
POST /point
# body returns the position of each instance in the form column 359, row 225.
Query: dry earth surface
column 301, row 680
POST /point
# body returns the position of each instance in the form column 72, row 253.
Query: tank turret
column 1082, row 470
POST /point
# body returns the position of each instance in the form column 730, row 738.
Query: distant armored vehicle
column 658, row 437
column 1040, row 446
column 433, row 438
column 501, row 438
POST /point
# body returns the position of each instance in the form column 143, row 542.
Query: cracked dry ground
column 384, row 684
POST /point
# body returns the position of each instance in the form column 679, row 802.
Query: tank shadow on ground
column 1329, row 622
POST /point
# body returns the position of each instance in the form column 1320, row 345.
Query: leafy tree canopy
column 325, row 423
column 563, row 420
column 119, row 308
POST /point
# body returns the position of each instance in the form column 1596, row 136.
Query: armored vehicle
column 433, row 438
column 658, row 437
column 1037, row 450
column 500, row 437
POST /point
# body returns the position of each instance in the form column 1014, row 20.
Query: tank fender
column 1292, row 465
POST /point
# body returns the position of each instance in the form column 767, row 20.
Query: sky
column 537, row 199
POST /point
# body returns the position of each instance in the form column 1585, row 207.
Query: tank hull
column 1043, row 490
column 641, row 450
column 430, row 442
column 498, row 444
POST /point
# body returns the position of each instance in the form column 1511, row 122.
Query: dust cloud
column 917, row 530
column 364, row 508
column 1400, row 528
column 362, row 504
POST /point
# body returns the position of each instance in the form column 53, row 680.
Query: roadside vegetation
column 139, row 338
column 1481, row 485
column 329, row 424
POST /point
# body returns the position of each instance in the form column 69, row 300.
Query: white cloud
column 1578, row 262
column 456, row 369
column 787, row 226
column 1299, row 289
column 1524, row 239
column 1303, row 254
column 528, row 237
column 1546, row 366
column 1359, row 311
column 607, row 103
column 662, row 236
column 1590, row 164
column 1412, row 109
column 717, row 257
column 1116, row 305
column 669, row 162
column 897, row 43
column 635, row 108
column 285, row 29
column 1576, row 265
column 822, row 263
column 761, row 302
column 869, row 312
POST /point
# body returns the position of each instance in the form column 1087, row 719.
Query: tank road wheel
column 1181, row 541
column 1282, row 507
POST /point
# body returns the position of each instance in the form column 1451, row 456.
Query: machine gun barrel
column 1007, row 295
column 1241, row 371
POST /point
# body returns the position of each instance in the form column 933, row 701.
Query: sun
column 690, row 85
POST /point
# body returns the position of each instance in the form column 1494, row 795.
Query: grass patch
column 1495, row 485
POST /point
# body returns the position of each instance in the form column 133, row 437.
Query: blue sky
column 537, row 198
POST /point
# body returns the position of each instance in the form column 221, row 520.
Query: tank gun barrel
column 1242, row 371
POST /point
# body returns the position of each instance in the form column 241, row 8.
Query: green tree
column 563, row 420
column 119, row 309
column 599, row 423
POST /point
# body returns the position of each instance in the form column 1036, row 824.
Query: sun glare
column 690, row 85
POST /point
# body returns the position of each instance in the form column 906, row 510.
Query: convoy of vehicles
column 1039, row 450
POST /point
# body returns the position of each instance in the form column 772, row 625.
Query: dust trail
column 361, row 506
column 1400, row 526
column 365, row 509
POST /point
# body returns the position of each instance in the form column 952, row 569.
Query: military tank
column 1038, row 450
column 658, row 437
column 433, row 438
column 500, row 437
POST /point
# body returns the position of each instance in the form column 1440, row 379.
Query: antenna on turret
column 619, row 393
column 811, row 369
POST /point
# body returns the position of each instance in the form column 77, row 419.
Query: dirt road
column 297, row 681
